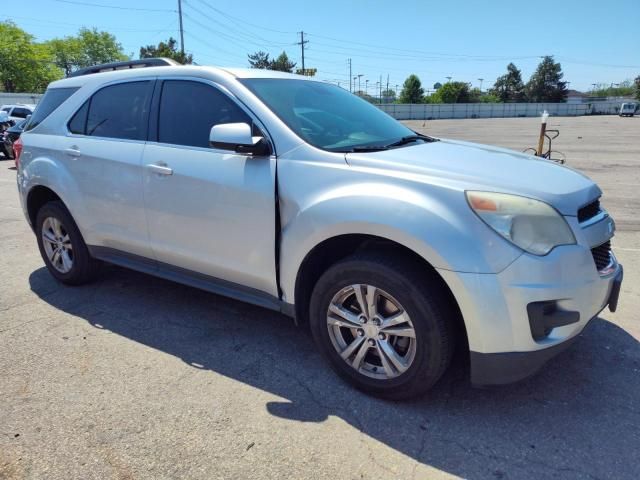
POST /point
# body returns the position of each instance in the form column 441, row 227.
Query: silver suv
column 295, row 195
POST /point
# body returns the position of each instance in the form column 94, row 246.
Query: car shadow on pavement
column 578, row 418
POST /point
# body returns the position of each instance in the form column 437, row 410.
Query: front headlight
column 532, row 225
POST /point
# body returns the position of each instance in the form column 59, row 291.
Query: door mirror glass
column 237, row 137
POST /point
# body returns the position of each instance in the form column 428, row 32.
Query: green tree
column 166, row 49
column 68, row 53
column 99, row 47
column 437, row 85
column 637, row 84
column 622, row 89
column 89, row 47
column 259, row 60
column 453, row 92
column 546, row 83
column 509, row 87
column 412, row 91
column 388, row 96
column 25, row 66
column 282, row 64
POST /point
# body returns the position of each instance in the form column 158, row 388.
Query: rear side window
column 189, row 109
column 120, row 111
column 52, row 99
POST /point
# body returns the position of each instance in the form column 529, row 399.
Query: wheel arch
column 333, row 249
column 37, row 197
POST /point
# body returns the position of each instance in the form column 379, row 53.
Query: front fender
column 440, row 228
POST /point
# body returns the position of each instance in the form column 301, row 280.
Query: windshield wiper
column 410, row 139
column 367, row 148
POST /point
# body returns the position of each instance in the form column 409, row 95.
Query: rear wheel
column 62, row 247
column 383, row 325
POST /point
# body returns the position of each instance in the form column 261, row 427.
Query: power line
column 100, row 5
column 81, row 25
column 240, row 28
column 241, row 22
column 238, row 35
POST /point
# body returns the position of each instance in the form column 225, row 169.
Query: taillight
column 17, row 150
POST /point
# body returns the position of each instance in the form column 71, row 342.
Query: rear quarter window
column 52, row 99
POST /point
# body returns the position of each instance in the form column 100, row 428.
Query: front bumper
column 508, row 367
column 504, row 342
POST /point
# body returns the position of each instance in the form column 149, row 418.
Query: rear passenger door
column 209, row 211
column 104, row 154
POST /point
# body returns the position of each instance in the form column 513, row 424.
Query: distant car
column 18, row 111
column 627, row 109
column 9, row 136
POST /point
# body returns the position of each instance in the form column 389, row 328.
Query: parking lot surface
column 136, row 377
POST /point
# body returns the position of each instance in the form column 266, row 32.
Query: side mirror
column 237, row 137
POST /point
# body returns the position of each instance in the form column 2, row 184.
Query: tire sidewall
column 427, row 364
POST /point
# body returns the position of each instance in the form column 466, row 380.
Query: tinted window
column 20, row 112
column 78, row 122
column 188, row 110
column 120, row 111
column 52, row 99
column 6, row 109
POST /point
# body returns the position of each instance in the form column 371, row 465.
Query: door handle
column 160, row 169
column 73, row 152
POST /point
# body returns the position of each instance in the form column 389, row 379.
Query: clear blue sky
column 595, row 41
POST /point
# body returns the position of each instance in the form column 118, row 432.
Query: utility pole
column 380, row 97
column 387, row 84
column 360, row 88
column 350, row 74
column 366, row 87
column 181, row 29
column 301, row 43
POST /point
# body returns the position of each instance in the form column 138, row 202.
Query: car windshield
column 327, row 116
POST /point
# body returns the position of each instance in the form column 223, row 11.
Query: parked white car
column 18, row 111
column 627, row 109
column 295, row 195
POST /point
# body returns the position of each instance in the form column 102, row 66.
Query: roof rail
column 142, row 63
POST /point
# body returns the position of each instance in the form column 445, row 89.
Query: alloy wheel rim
column 57, row 244
column 371, row 331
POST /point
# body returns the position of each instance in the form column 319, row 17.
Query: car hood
column 470, row 166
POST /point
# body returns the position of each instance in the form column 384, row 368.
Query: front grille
column 589, row 211
column 602, row 255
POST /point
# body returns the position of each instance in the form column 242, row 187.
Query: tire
column 83, row 267
column 399, row 282
column 5, row 151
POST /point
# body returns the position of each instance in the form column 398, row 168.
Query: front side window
column 327, row 116
column 189, row 109
column 119, row 111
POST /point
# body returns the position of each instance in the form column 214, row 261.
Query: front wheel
column 383, row 325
